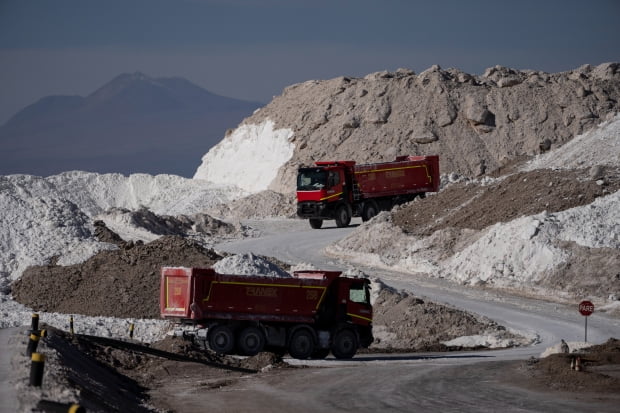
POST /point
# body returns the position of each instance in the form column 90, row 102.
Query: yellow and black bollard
column 34, row 325
column 33, row 342
column 36, row 369
column 131, row 328
column 56, row 407
column 43, row 333
column 71, row 324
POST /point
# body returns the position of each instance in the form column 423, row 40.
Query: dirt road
column 395, row 383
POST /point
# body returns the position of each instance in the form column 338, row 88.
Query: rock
column 545, row 145
column 378, row 113
column 379, row 75
column 475, row 111
column 606, row 71
column 400, row 72
column 351, row 123
column 596, row 172
column 508, row 81
column 424, row 137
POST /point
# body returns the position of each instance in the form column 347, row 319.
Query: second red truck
column 308, row 314
column 340, row 190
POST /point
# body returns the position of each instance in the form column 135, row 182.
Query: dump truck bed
column 202, row 293
column 408, row 174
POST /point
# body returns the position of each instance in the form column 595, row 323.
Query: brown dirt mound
column 415, row 325
column 470, row 206
column 600, row 370
column 120, row 283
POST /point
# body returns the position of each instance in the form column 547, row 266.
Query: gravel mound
column 121, row 283
column 472, row 205
column 600, row 370
column 475, row 123
column 403, row 322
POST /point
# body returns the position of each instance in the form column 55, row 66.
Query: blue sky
column 253, row 49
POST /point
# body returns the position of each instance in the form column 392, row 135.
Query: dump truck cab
column 325, row 191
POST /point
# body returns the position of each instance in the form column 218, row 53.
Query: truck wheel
column 221, row 339
column 301, row 345
column 251, row 341
column 370, row 210
column 316, row 223
column 345, row 344
column 343, row 217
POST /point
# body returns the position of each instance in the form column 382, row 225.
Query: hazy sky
column 253, row 49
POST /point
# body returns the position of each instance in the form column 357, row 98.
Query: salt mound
column 599, row 146
column 523, row 251
column 248, row 158
column 249, row 264
column 33, row 229
column 303, row 266
column 51, row 217
column 163, row 194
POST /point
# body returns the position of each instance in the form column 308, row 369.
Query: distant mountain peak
column 120, row 83
column 133, row 123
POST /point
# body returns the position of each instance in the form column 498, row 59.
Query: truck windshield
column 358, row 293
column 310, row 179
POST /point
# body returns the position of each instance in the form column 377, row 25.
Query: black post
column 34, row 325
column 33, row 342
column 36, row 369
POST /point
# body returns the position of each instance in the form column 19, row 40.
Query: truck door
column 334, row 185
column 359, row 309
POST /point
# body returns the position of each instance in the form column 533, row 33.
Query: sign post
column 586, row 308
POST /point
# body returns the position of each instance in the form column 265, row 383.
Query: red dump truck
column 307, row 315
column 341, row 189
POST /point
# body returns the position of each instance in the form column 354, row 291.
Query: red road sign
column 586, row 308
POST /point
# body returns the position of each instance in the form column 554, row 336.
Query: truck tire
column 345, row 344
column 343, row 216
column 316, row 223
column 301, row 344
column 251, row 341
column 221, row 339
column 370, row 210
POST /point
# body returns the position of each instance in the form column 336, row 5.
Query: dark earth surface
column 474, row 206
column 123, row 380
